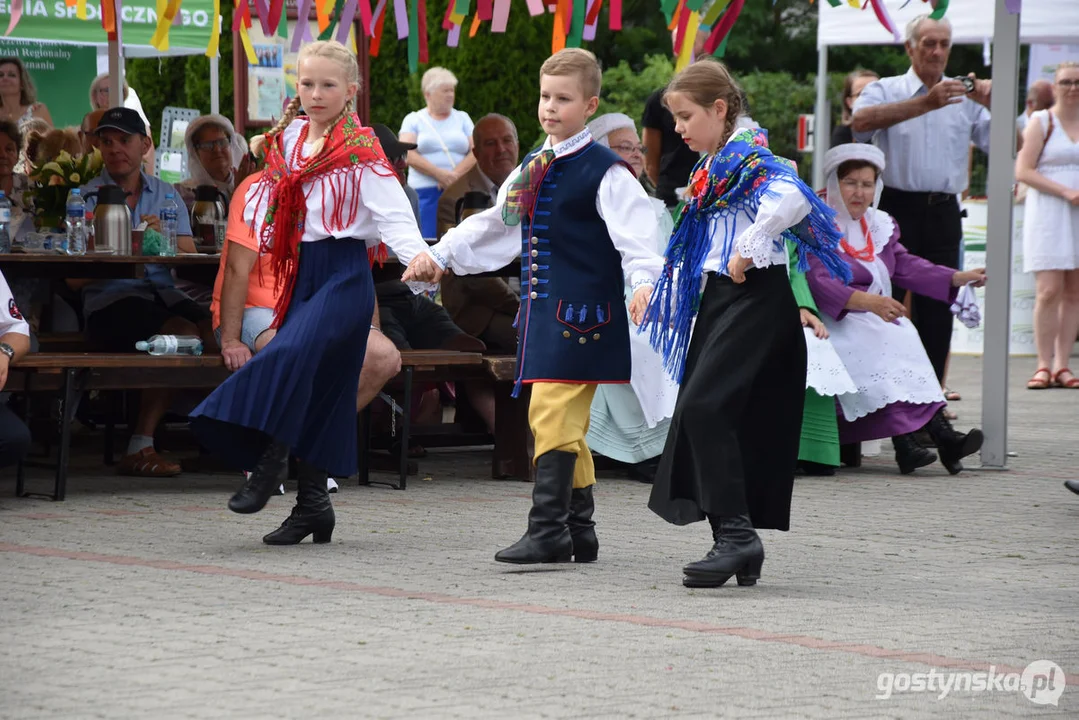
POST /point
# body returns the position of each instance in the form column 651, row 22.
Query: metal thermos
column 112, row 221
column 209, row 216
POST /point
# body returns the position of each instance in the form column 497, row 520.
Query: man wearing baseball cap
column 119, row 313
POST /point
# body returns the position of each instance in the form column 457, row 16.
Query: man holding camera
column 925, row 122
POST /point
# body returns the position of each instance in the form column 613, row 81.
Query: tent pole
column 998, row 236
column 215, row 85
column 821, row 118
column 116, row 79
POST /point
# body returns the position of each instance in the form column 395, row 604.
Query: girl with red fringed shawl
column 327, row 197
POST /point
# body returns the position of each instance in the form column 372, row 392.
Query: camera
column 968, row 83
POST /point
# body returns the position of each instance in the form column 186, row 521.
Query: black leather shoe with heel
column 910, row 455
column 952, row 445
column 313, row 514
column 267, row 476
column 737, row 551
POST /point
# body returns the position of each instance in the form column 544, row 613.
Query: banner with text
column 54, row 21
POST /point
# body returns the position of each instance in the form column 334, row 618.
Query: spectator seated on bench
column 119, row 313
column 414, row 321
column 244, row 297
column 14, row 343
column 483, row 307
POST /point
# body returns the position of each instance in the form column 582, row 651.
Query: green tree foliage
column 495, row 72
column 772, row 51
column 183, row 81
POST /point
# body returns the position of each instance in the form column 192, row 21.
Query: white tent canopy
column 1042, row 21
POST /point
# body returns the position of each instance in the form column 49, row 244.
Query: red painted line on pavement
column 805, row 641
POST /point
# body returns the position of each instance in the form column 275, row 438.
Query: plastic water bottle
column 171, row 345
column 169, row 213
column 76, row 223
column 5, row 222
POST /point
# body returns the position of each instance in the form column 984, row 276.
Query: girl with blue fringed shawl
column 724, row 317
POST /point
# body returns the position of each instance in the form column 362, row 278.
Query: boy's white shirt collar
column 569, row 145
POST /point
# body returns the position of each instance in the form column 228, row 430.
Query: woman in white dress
column 1049, row 164
column 630, row 422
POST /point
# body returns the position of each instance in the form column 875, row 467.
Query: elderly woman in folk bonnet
column 630, row 422
column 897, row 390
column 443, row 137
column 216, row 156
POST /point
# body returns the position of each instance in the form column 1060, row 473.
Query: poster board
column 272, row 82
column 61, row 73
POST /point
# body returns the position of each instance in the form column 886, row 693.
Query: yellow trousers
column 558, row 414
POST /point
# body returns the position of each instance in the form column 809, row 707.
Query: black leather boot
column 737, row 551
column 581, row 526
column 548, row 538
column 313, row 513
column 910, row 455
column 952, row 445
column 268, row 474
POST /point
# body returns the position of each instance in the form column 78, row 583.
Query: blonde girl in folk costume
column 326, row 197
column 733, row 444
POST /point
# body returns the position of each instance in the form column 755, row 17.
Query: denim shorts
column 257, row 320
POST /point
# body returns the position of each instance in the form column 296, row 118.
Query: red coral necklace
column 868, row 253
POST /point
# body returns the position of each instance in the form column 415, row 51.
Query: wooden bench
column 513, row 438
column 75, row 373
column 416, row 366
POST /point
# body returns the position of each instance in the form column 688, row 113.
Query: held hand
column 737, row 266
column 235, row 354
column 423, row 268
column 639, row 304
column 945, row 93
column 975, row 276
column 1072, row 196
column 4, row 363
column 813, row 323
column 887, row 308
column 153, row 222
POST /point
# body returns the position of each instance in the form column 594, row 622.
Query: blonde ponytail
column 291, row 111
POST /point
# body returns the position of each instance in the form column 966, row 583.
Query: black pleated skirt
column 733, row 442
column 301, row 388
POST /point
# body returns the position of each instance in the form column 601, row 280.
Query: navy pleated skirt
column 301, row 388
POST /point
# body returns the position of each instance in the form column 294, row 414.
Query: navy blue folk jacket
column 573, row 325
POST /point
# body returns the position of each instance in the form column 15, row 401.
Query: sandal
column 952, row 395
column 949, row 415
column 1036, row 383
column 147, row 463
column 1072, row 384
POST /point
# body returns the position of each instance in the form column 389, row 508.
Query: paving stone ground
column 140, row 598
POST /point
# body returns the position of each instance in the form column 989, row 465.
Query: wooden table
column 196, row 267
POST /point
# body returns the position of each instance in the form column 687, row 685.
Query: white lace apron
column 886, row 360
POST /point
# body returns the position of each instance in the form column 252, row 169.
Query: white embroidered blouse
column 384, row 210
column 483, row 242
column 758, row 238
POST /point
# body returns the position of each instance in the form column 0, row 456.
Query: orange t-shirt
column 259, row 294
